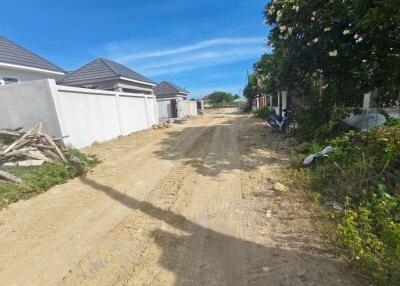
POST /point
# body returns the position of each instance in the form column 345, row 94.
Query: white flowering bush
column 330, row 53
column 356, row 43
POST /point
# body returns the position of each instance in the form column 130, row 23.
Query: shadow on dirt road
column 216, row 150
column 247, row 263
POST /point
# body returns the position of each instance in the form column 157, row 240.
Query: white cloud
column 199, row 60
column 176, row 60
column 188, row 48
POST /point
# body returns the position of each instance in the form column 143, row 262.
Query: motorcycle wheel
column 290, row 128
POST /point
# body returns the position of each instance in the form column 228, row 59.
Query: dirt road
column 188, row 205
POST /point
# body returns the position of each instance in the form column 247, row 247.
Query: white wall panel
column 151, row 113
column 132, row 114
column 87, row 117
column 164, row 109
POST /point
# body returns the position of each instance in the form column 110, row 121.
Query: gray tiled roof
column 102, row 69
column 11, row 53
column 165, row 88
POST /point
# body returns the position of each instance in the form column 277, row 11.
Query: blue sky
column 202, row 45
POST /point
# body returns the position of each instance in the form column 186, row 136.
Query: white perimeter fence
column 184, row 108
column 189, row 108
column 85, row 115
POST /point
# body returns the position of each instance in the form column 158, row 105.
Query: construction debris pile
column 30, row 148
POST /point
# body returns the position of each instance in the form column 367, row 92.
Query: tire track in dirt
column 137, row 253
column 199, row 219
column 84, row 223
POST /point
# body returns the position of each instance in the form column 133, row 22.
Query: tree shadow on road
column 204, row 256
column 235, row 143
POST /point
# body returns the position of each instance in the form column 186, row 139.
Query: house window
column 9, row 80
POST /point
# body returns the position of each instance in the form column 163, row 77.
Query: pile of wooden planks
column 30, row 148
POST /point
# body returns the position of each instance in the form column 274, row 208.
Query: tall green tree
column 221, row 97
column 251, row 90
column 348, row 47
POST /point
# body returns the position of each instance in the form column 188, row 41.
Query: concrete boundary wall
column 85, row 115
column 189, row 108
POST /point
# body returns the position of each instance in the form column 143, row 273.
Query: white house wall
column 164, row 109
column 151, row 111
column 89, row 115
column 132, row 114
column 85, row 115
column 23, row 75
column 189, row 108
column 25, row 104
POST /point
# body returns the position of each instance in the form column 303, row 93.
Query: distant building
column 17, row 64
column 108, row 75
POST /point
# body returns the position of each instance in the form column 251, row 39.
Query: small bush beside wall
column 262, row 113
column 363, row 174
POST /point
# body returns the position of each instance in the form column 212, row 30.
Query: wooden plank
column 9, row 148
column 51, row 154
column 19, row 152
column 42, row 146
column 22, row 143
column 9, row 133
column 58, row 151
column 38, row 155
column 40, row 127
column 10, row 177
column 25, row 163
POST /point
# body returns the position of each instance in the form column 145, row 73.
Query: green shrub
column 320, row 124
column 247, row 108
column 41, row 178
column 363, row 173
column 262, row 113
column 217, row 105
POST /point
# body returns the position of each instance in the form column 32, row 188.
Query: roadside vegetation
column 218, row 99
column 327, row 55
column 262, row 113
column 360, row 178
column 39, row 179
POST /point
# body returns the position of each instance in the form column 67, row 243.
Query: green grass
column 262, row 113
column 39, row 179
column 363, row 174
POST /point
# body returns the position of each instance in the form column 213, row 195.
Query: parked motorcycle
column 286, row 124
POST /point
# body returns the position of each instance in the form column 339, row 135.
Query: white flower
column 327, row 29
column 296, row 7
column 346, row 32
column 314, row 13
column 315, row 40
column 278, row 15
column 282, row 29
column 355, row 36
column 364, row 61
column 333, row 53
column 313, row 18
column 359, row 39
column 271, row 10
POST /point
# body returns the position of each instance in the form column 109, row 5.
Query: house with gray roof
column 166, row 89
column 108, row 75
column 170, row 98
column 18, row 64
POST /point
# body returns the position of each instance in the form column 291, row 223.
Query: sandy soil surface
column 188, row 205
